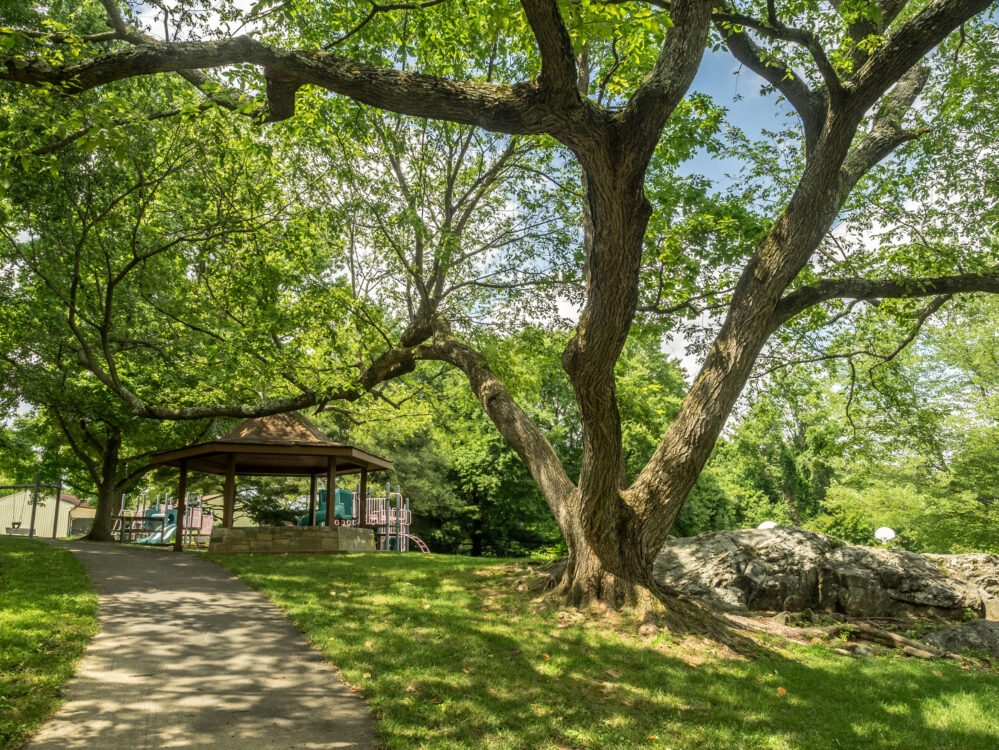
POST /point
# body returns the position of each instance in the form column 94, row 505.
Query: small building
column 71, row 516
column 82, row 517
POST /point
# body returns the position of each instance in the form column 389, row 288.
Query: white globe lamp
column 884, row 535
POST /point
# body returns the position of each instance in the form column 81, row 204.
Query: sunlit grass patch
column 47, row 615
column 450, row 654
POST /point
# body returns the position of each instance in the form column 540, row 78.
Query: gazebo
column 286, row 445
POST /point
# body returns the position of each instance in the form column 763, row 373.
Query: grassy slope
column 449, row 654
column 47, row 615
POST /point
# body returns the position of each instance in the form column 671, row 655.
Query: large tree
column 97, row 256
column 851, row 72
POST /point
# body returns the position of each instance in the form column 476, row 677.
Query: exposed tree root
column 603, row 596
column 687, row 616
column 856, row 631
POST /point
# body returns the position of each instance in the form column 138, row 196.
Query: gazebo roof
column 277, row 445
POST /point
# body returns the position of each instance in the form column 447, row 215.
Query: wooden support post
column 313, row 493
column 229, row 493
column 330, row 489
column 178, row 539
column 55, row 518
column 398, row 519
column 362, row 499
column 405, row 539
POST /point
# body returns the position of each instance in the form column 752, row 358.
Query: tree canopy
column 545, row 167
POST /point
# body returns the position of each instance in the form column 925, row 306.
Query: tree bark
column 586, row 583
column 109, row 494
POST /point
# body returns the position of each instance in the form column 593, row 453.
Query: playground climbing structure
column 388, row 516
column 154, row 521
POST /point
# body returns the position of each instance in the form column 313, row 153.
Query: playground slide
column 168, row 534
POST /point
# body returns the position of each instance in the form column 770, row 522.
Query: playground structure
column 154, row 522
column 388, row 516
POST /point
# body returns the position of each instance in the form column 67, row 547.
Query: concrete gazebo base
column 282, row 539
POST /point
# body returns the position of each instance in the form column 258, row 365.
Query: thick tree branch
column 115, row 19
column 810, row 106
column 774, row 29
column 514, row 425
column 886, row 132
column 519, row 108
column 904, row 48
column 643, row 118
column 872, row 289
column 558, row 64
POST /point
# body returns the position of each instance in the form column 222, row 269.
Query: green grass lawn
column 450, row 654
column 47, row 615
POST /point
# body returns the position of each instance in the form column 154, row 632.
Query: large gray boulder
column 979, row 569
column 977, row 635
column 790, row 569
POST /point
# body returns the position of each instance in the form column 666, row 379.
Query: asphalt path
column 189, row 656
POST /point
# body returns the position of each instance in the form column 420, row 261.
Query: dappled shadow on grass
column 47, row 614
column 451, row 656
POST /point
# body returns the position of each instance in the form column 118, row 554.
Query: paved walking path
column 188, row 656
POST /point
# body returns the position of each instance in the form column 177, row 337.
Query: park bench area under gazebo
column 289, row 445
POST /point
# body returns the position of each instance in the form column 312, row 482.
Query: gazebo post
column 330, row 489
column 312, row 499
column 178, row 540
column 362, row 498
column 229, row 493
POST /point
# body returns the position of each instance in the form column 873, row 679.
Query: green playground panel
column 343, row 507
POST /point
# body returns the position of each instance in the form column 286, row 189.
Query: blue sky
column 738, row 90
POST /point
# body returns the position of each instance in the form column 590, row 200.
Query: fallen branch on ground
column 854, row 631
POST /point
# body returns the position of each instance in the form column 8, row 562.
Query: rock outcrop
column 977, row 635
column 790, row 569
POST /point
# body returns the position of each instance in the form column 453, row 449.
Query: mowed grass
column 450, row 654
column 47, row 615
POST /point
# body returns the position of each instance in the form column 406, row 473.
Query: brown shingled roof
column 290, row 428
column 277, row 445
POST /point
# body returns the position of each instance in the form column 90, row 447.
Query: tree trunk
column 476, row 536
column 585, row 582
column 108, row 506
column 109, row 494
